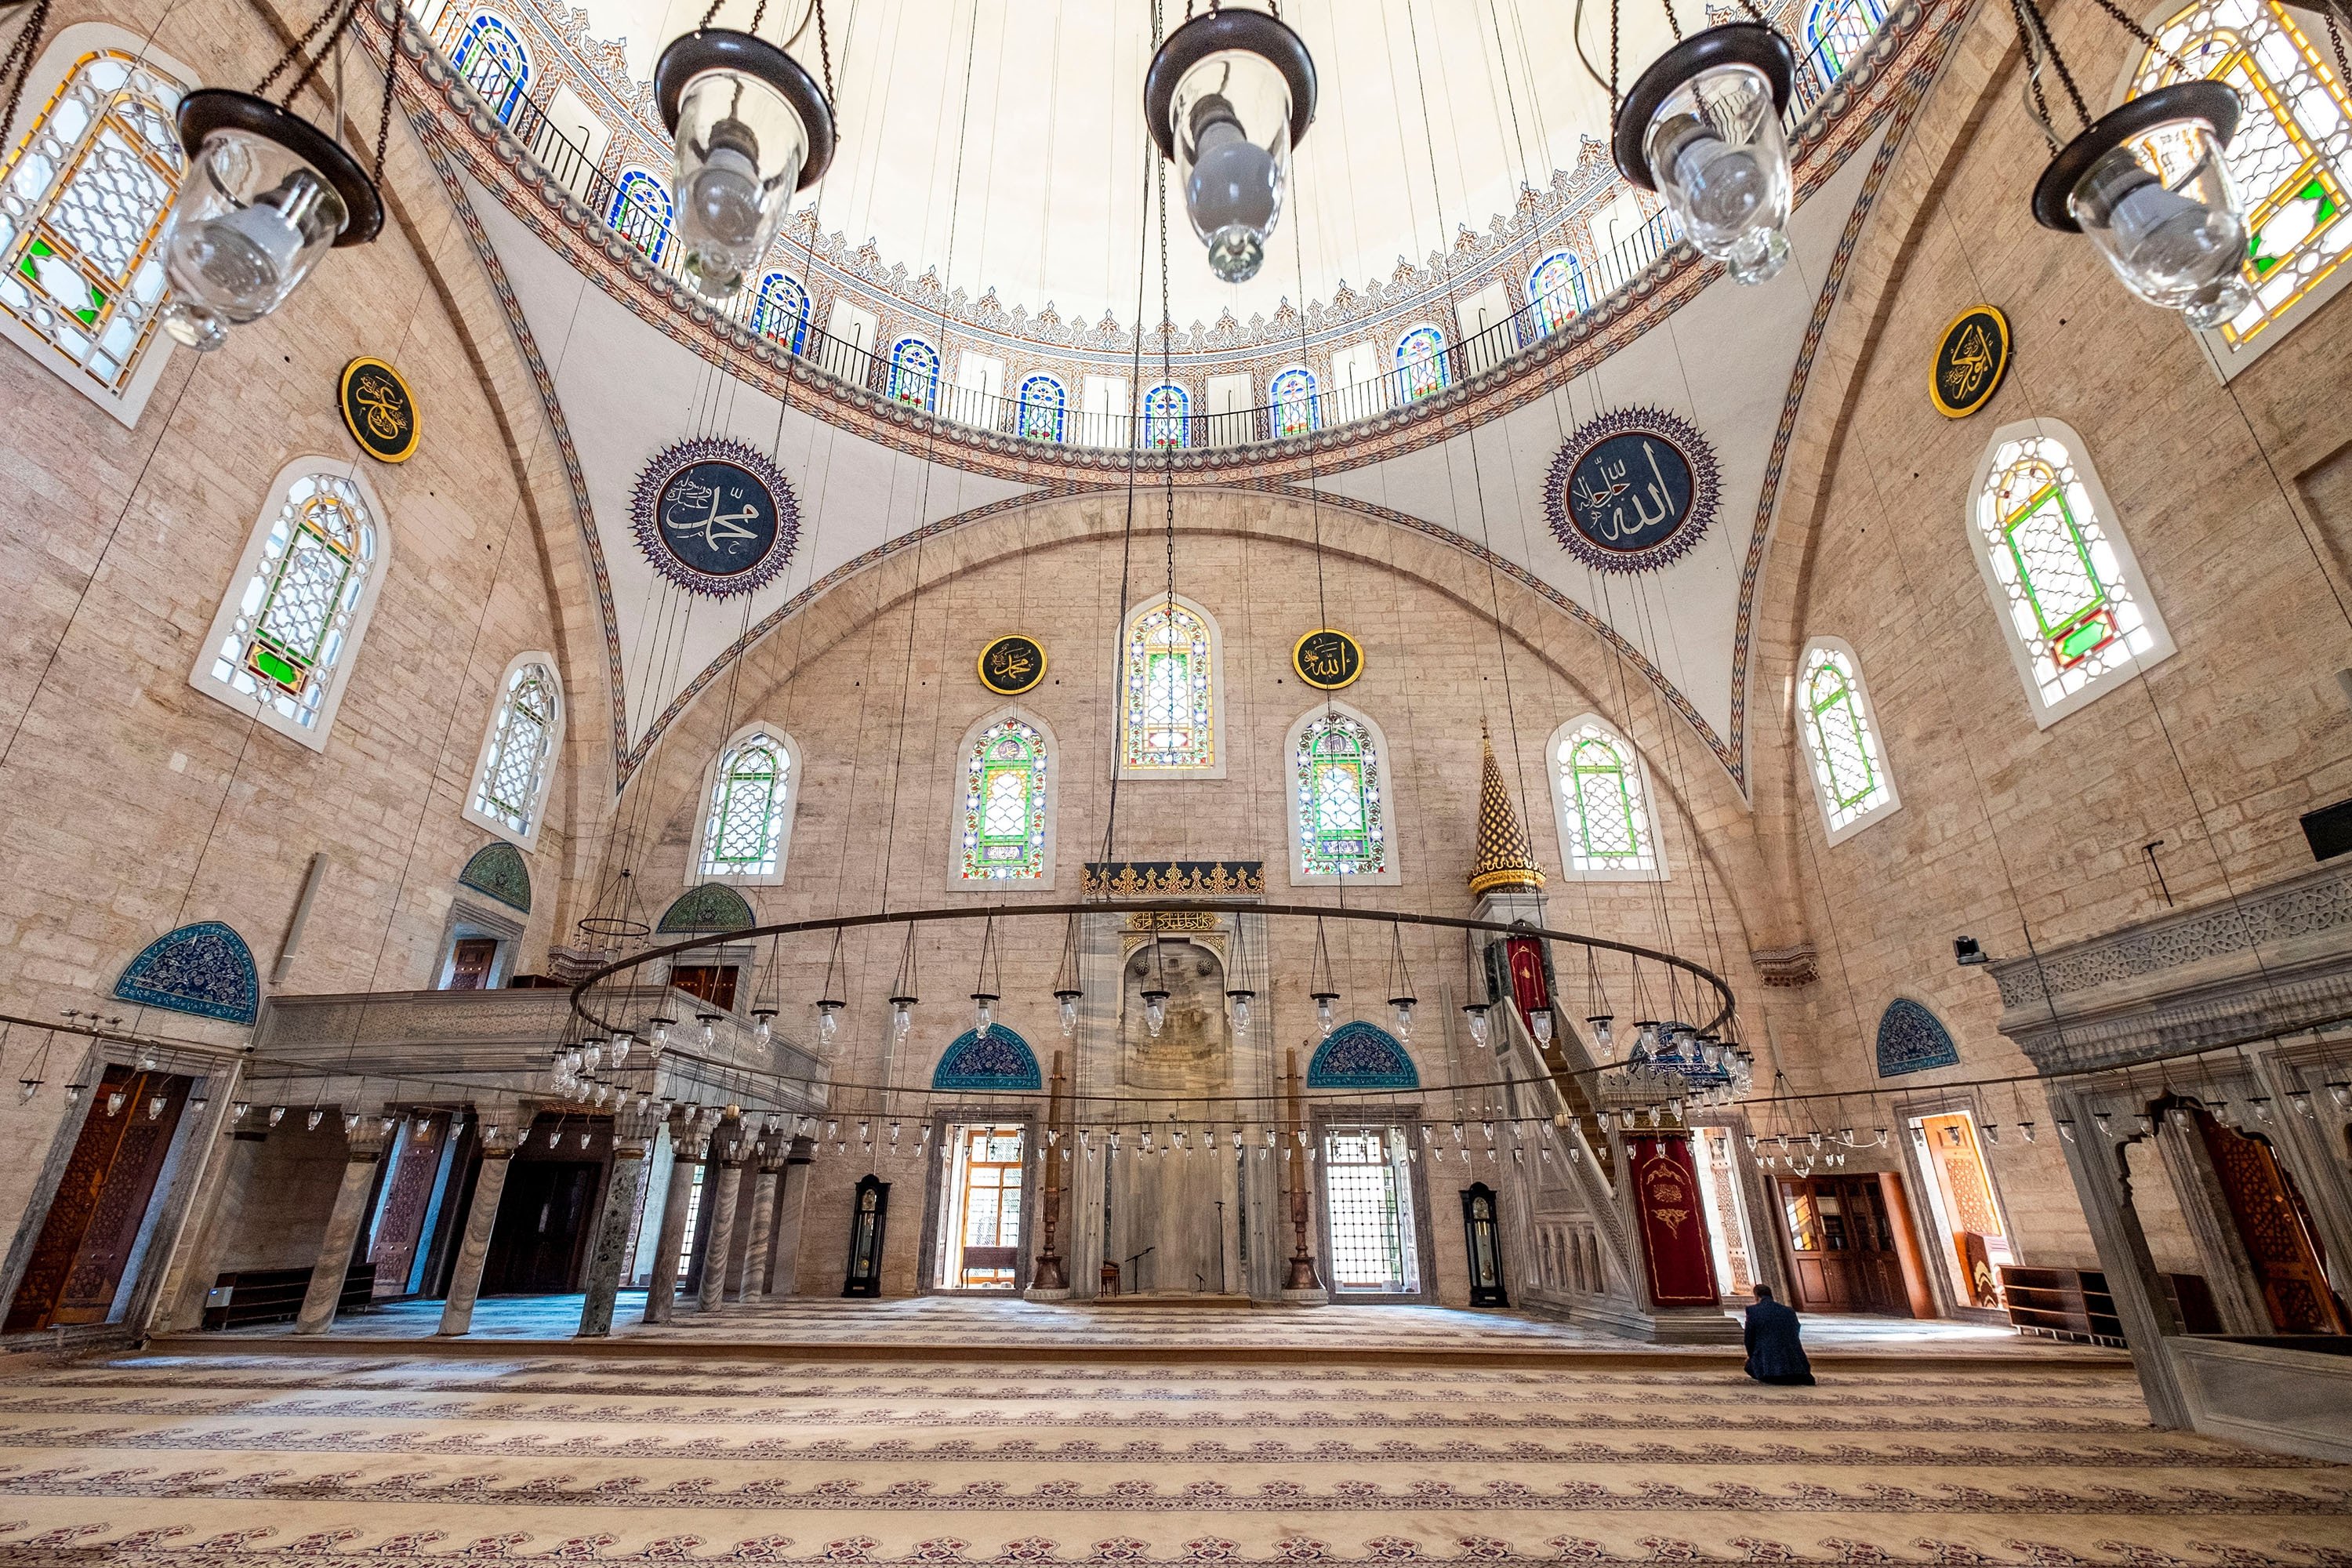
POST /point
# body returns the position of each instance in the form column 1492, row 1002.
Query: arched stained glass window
column 2077, row 614
column 781, row 311
column 494, row 63
column 915, row 373
column 1044, row 403
column 1170, row 681
column 642, row 213
column 1849, row 776
column 1602, row 801
column 747, row 820
column 1837, row 31
column 518, row 752
column 1338, row 799
column 1005, row 824
column 285, row 637
column 1420, row 364
column 1167, row 410
column 83, row 205
column 2290, row 156
column 1556, row 293
column 1295, row 404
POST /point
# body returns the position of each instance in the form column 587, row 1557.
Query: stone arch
column 205, row 969
column 999, row 1059
column 1913, row 1040
column 1358, row 1055
column 713, row 906
column 499, row 869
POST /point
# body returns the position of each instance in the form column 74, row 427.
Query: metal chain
column 2058, row 62
column 824, row 51
column 311, row 67
column 1167, row 347
column 1612, row 55
column 391, row 82
column 1673, row 21
column 2335, row 41
column 18, row 65
column 2124, row 20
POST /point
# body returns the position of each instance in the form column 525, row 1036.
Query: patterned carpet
column 386, row 1455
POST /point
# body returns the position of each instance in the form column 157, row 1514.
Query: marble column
column 688, row 1141
column 761, row 1233
column 728, row 1148
column 481, row 1213
column 367, row 1142
column 792, row 1196
column 632, row 1137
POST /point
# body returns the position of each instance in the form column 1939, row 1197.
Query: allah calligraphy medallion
column 1631, row 491
column 715, row 517
column 1970, row 361
column 1327, row 659
column 378, row 410
column 1012, row 665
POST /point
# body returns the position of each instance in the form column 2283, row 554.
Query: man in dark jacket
column 1776, row 1353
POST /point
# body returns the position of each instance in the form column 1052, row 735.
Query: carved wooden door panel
column 94, row 1220
column 416, row 1164
column 2277, row 1237
column 471, row 962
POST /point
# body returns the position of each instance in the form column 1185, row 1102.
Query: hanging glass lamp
column 1228, row 95
column 2146, row 182
column 1702, row 128
column 751, row 127
column 267, row 194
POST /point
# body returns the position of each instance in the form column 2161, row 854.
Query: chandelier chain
column 2335, row 41
column 391, row 82
column 311, row 69
column 2033, row 76
column 18, row 63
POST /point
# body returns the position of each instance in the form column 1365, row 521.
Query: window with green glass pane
column 744, row 835
column 1603, row 815
column 1840, row 737
column 285, row 646
column 1003, row 835
column 1341, row 819
column 515, row 764
column 1171, row 718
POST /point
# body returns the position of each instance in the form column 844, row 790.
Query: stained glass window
column 1166, row 411
column 641, row 212
column 1556, row 293
column 82, row 204
column 1421, row 364
column 1170, row 690
column 285, row 640
column 751, row 799
column 1337, row 789
column 1004, row 836
column 493, row 63
column 1849, row 775
column 2075, row 613
column 513, row 778
column 1043, row 403
column 781, row 311
column 2293, row 146
column 915, row 373
column 1294, row 409
column 1836, row 32
column 1604, row 820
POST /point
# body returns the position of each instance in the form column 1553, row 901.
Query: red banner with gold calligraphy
column 1673, row 1222
column 1527, row 987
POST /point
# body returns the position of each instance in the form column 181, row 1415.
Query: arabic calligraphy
column 1012, row 665
column 1969, row 360
column 1327, row 659
column 714, row 516
column 378, row 410
column 717, row 517
column 1631, row 490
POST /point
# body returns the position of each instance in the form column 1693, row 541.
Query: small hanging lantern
column 1238, row 1000
column 751, row 127
column 1155, row 993
column 1475, row 1015
column 1228, row 95
column 984, row 1013
column 828, row 1018
column 902, row 1015
column 1702, row 128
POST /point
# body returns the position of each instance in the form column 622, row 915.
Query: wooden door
column 415, row 1166
column 713, row 983
column 1842, row 1242
column 2277, row 1233
column 101, row 1200
column 471, row 962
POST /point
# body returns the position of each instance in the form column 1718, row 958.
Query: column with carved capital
column 367, row 1140
column 481, row 1213
column 687, row 1141
column 773, row 1150
column 632, row 1137
column 727, row 1148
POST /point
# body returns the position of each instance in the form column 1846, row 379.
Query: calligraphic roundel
column 714, row 515
column 1631, row 491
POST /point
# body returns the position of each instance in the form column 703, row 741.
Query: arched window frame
column 915, row 373
column 1421, row 367
column 1043, row 410
column 2054, row 684
column 1556, row 293
column 1297, row 408
column 1378, row 767
column 1566, row 818
column 118, row 366
column 1837, row 31
column 643, row 212
column 2266, row 42
column 479, row 810
column 223, row 670
column 781, row 311
column 965, row 872
column 1842, row 818
column 488, row 34
column 1130, row 695
column 701, row 866
column 1167, row 416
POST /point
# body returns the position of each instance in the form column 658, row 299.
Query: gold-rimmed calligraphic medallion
column 1012, row 664
column 1970, row 359
column 1327, row 659
column 379, row 410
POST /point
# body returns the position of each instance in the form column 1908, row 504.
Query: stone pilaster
column 773, row 1150
column 367, row 1142
column 792, row 1196
column 689, row 1142
column 727, row 1148
column 632, row 1137
column 481, row 1213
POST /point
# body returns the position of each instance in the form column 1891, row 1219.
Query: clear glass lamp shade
column 741, row 148
column 1232, row 118
column 1716, row 148
column 252, row 219
column 2164, row 212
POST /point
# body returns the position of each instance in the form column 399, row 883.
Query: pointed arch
column 1171, row 691
column 1005, row 808
column 1340, row 769
column 999, row 1059
column 493, row 61
column 641, row 212
column 1837, row 31
column 915, row 373
column 1042, row 413
column 1911, row 1038
column 1556, row 293
column 204, row 970
column 1852, row 781
column 1423, row 368
column 518, row 751
column 713, row 906
column 1602, row 803
column 750, row 795
column 1358, row 1055
column 1298, row 410
column 780, row 311
column 1167, row 416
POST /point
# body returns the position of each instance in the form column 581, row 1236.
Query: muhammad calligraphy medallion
column 1012, row 665
column 715, row 517
column 1631, row 491
column 1970, row 361
column 378, row 410
column 1327, row 659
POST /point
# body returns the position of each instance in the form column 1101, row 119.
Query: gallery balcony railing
column 635, row 206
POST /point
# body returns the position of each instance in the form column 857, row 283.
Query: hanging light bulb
column 709, row 1022
column 1228, row 95
column 1702, row 128
column 266, row 195
column 1539, row 1020
column 1155, row 1008
column 1473, row 1014
column 1993, row 1132
column 828, row 1018
column 1323, row 1020
column 155, row 1108
column 74, row 1093
column 114, row 1104
column 902, row 1017
column 2340, row 1092
column 311, row 1123
column 592, row 1054
column 1401, row 1008
column 622, row 1041
column 239, row 1109
column 276, row 1114
column 1605, row 1033
column 751, row 127
column 1067, row 1003
column 662, row 1021
column 147, row 1058
column 196, row 1103
column 2260, row 1105
column 1238, row 1002
column 762, row 1032
column 984, row 1014
column 2301, row 1099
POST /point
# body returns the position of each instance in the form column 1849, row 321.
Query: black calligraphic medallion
column 1327, row 659
column 1970, row 360
column 1631, row 491
column 1012, row 664
column 715, row 517
column 379, row 410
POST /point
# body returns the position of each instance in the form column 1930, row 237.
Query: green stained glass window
column 513, row 775
column 1171, row 718
column 1847, row 770
column 1004, row 826
column 1342, row 821
column 1604, row 818
column 743, row 833
column 296, row 612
